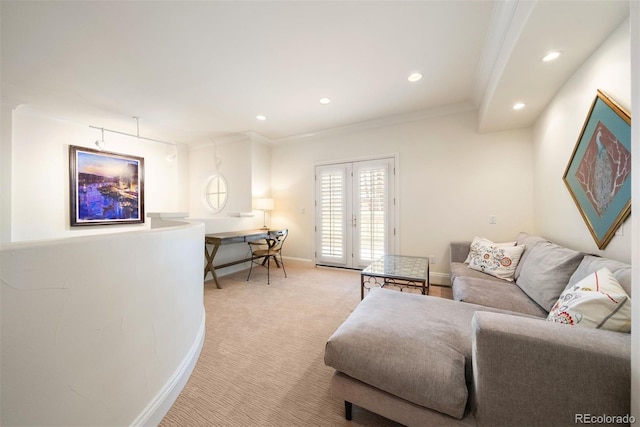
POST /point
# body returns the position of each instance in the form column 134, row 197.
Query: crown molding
column 381, row 122
column 231, row 138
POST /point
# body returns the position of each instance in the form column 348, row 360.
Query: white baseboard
column 160, row 405
column 435, row 278
column 441, row 279
column 229, row 270
column 245, row 266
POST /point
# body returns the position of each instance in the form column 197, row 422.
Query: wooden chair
column 272, row 248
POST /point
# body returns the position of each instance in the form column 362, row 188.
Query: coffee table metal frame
column 397, row 270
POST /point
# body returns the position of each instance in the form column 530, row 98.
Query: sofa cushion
column 490, row 293
column 591, row 263
column 545, row 272
column 458, row 251
column 529, row 241
column 498, row 261
column 413, row 346
column 597, row 301
column 459, row 269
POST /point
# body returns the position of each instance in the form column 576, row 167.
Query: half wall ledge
column 100, row 330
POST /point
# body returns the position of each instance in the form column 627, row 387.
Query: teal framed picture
column 598, row 175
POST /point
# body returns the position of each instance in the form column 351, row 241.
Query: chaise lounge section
column 489, row 357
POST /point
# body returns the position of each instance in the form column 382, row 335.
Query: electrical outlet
column 432, row 259
column 492, row 219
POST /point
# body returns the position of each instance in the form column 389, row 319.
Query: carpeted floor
column 262, row 359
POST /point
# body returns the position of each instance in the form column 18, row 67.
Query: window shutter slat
column 332, row 214
column 372, row 213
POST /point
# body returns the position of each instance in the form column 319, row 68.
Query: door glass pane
column 372, row 190
column 331, row 213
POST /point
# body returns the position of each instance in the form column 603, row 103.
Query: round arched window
column 215, row 192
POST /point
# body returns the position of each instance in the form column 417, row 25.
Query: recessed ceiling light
column 551, row 56
column 518, row 106
column 324, row 101
column 414, row 77
column 261, row 117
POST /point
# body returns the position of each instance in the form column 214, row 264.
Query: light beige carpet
column 262, row 359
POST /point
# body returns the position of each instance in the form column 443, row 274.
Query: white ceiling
column 198, row 70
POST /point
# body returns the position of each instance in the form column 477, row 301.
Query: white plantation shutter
column 372, row 218
column 331, row 213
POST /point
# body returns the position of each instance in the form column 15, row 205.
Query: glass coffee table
column 398, row 271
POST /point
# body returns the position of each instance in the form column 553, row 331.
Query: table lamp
column 264, row 205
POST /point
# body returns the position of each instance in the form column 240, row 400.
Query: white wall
column 635, row 208
column 555, row 134
column 39, row 185
column 234, row 160
column 260, row 168
column 245, row 162
column 451, row 179
column 6, row 118
column 100, row 330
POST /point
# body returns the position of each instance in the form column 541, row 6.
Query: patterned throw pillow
column 498, row 261
column 479, row 243
column 597, row 301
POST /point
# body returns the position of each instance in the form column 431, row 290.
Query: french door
column 354, row 212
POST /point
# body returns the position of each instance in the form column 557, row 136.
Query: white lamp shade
column 264, row 204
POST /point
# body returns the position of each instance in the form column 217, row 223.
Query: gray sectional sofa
column 489, row 357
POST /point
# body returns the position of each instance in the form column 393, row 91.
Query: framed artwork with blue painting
column 106, row 188
column 598, row 175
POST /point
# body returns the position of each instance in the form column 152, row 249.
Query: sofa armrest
column 533, row 372
column 459, row 251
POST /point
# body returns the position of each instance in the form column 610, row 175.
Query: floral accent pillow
column 479, row 243
column 597, row 301
column 498, row 261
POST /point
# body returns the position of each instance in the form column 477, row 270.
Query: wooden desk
column 219, row 239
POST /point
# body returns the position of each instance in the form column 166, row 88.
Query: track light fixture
column 100, row 142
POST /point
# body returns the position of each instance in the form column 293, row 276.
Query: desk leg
column 209, row 266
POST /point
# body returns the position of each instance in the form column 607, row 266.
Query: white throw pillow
column 480, row 242
column 597, row 301
column 498, row 261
